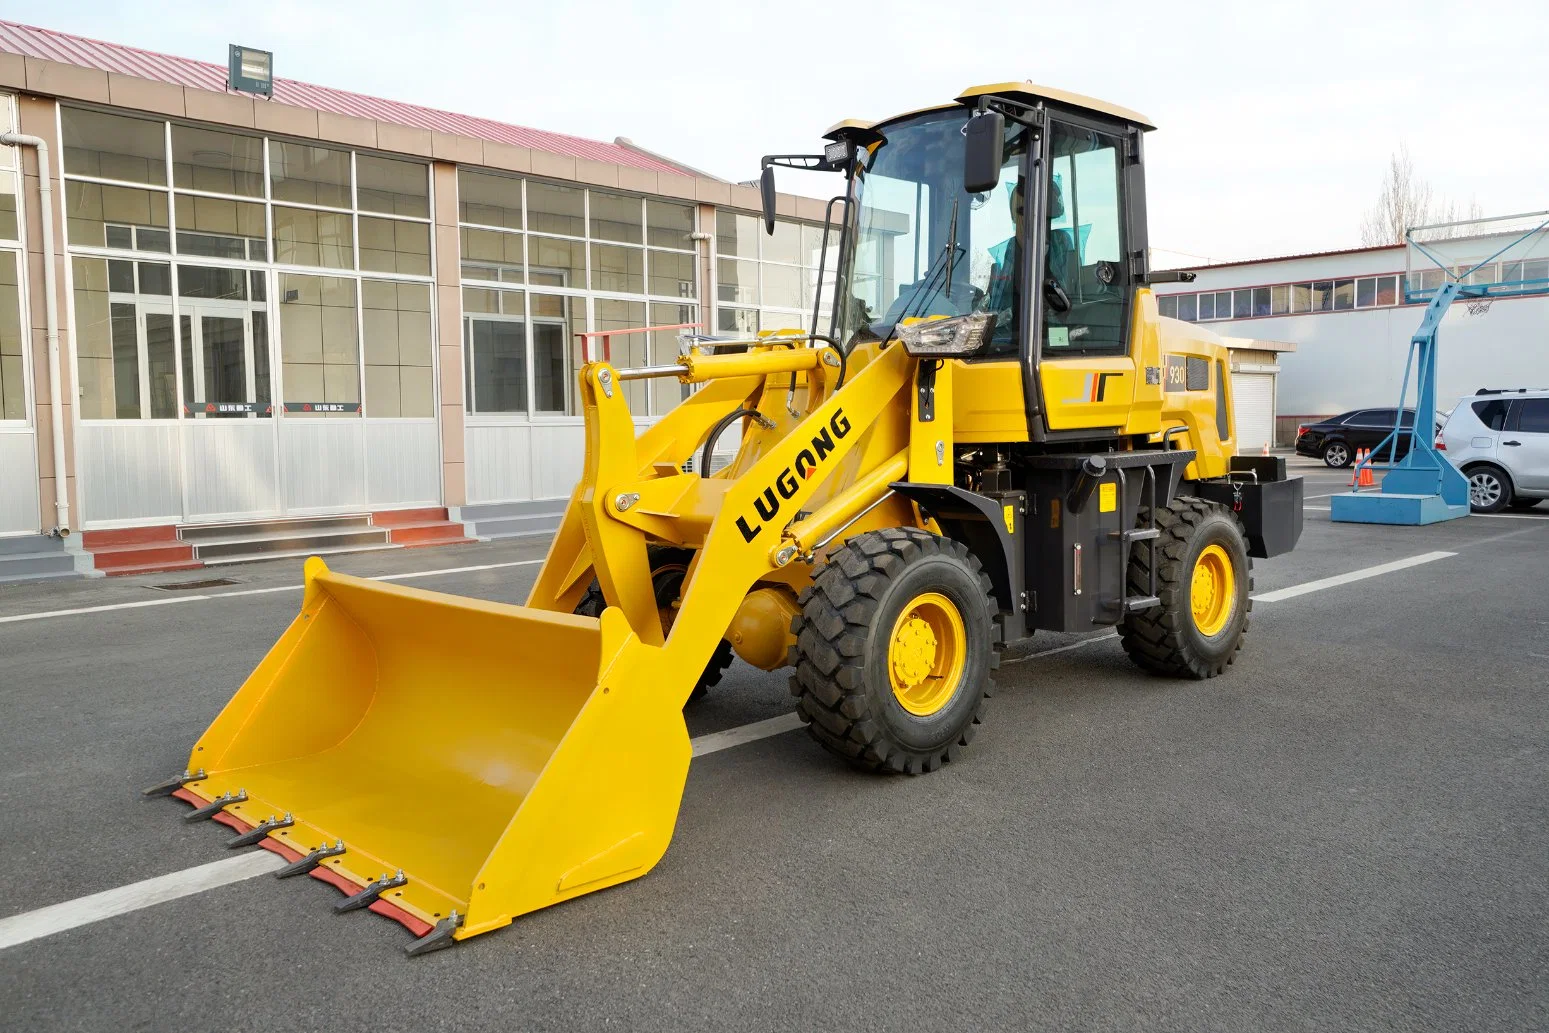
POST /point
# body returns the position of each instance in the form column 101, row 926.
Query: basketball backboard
column 1499, row 256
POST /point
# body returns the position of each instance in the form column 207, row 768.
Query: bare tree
column 1405, row 201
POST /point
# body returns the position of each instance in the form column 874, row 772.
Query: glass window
column 1535, row 274
column 1493, row 413
column 308, row 174
column 1301, row 297
column 669, row 225
column 627, row 349
column 398, row 349
column 214, row 227
column 1365, row 292
column 1485, row 274
column 391, row 186
column 1280, row 300
column 114, row 146
column 557, row 262
column 781, row 286
column 1387, row 290
column 99, row 215
column 672, row 274
column 1167, row 305
column 737, row 281
column 1206, row 306
column 784, row 245
column 615, row 217
column 496, row 354
column 1261, row 302
column 486, row 254
column 555, row 351
column 395, row 246
column 1242, row 304
column 224, row 344
column 319, row 339
column 556, row 209
column 620, row 269
column 1533, row 417
column 1084, row 178
column 666, row 392
column 304, row 236
column 93, row 340
column 1223, row 304
column 1323, row 296
column 737, row 234
column 219, row 162
column 489, row 200
column 736, row 322
column 13, row 384
column 1188, row 307
column 1344, row 294
column 8, row 224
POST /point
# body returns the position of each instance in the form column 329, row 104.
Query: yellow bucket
column 502, row 758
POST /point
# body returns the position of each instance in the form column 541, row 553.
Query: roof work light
column 251, row 71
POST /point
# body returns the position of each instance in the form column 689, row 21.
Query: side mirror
column 984, row 152
column 766, row 190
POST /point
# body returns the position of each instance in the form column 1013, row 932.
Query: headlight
column 959, row 335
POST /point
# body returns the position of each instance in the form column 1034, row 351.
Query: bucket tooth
column 215, row 806
column 173, row 784
column 437, row 938
column 262, row 829
column 370, row 892
column 302, row 865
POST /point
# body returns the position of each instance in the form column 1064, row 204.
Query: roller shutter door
column 1254, row 397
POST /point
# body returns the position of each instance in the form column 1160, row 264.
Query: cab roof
column 1027, row 92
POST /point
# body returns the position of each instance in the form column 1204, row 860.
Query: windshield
column 924, row 246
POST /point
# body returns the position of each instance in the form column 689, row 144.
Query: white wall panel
column 323, row 462
column 231, row 471
column 500, row 462
column 558, row 455
column 18, row 483
column 403, row 463
column 129, row 472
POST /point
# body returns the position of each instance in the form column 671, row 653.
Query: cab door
column 1085, row 288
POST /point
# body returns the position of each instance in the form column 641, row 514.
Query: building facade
column 1346, row 314
column 320, row 303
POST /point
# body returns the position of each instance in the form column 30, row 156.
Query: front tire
column 1489, row 489
column 1336, row 454
column 1204, row 580
column 894, row 648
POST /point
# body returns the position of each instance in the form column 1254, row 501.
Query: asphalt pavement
column 1348, row 831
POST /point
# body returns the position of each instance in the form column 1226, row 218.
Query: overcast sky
column 1276, row 120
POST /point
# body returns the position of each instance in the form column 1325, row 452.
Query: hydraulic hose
column 715, row 432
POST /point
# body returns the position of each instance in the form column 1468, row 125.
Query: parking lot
column 1347, row 831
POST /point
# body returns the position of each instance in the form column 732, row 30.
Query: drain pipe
column 51, row 322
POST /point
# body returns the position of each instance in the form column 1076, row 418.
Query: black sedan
column 1338, row 439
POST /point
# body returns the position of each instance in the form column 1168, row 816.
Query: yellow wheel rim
column 926, row 653
column 1212, row 590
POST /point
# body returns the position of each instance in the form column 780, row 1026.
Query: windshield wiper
column 949, row 254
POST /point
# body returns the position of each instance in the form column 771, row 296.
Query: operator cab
column 1039, row 262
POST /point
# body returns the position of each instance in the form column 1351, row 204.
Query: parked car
column 1500, row 440
column 1337, row 440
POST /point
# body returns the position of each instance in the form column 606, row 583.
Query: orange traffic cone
column 1266, row 448
column 1360, row 457
column 1367, row 481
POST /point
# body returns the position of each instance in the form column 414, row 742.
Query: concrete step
column 150, row 568
column 225, row 561
column 517, row 526
column 119, row 559
column 30, row 544
column 289, row 540
column 155, row 534
column 200, row 533
column 36, row 566
column 502, row 510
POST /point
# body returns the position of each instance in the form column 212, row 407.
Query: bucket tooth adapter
column 1009, row 438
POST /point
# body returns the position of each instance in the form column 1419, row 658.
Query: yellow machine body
column 506, row 758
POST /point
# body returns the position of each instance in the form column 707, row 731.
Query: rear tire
column 1489, row 489
column 668, row 567
column 894, row 648
column 1336, row 454
column 1204, row 579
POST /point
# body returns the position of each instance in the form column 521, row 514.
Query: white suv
column 1500, row 440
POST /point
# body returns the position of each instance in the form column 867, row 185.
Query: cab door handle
column 1512, row 443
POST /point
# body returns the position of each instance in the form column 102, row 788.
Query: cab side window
column 1085, row 286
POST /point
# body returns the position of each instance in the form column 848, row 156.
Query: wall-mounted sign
column 317, row 407
column 226, row 408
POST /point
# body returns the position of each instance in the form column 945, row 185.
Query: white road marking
column 1060, row 649
column 56, row 918
column 718, row 741
column 1344, row 579
column 140, row 604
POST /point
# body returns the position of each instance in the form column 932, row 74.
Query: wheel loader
column 992, row 434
